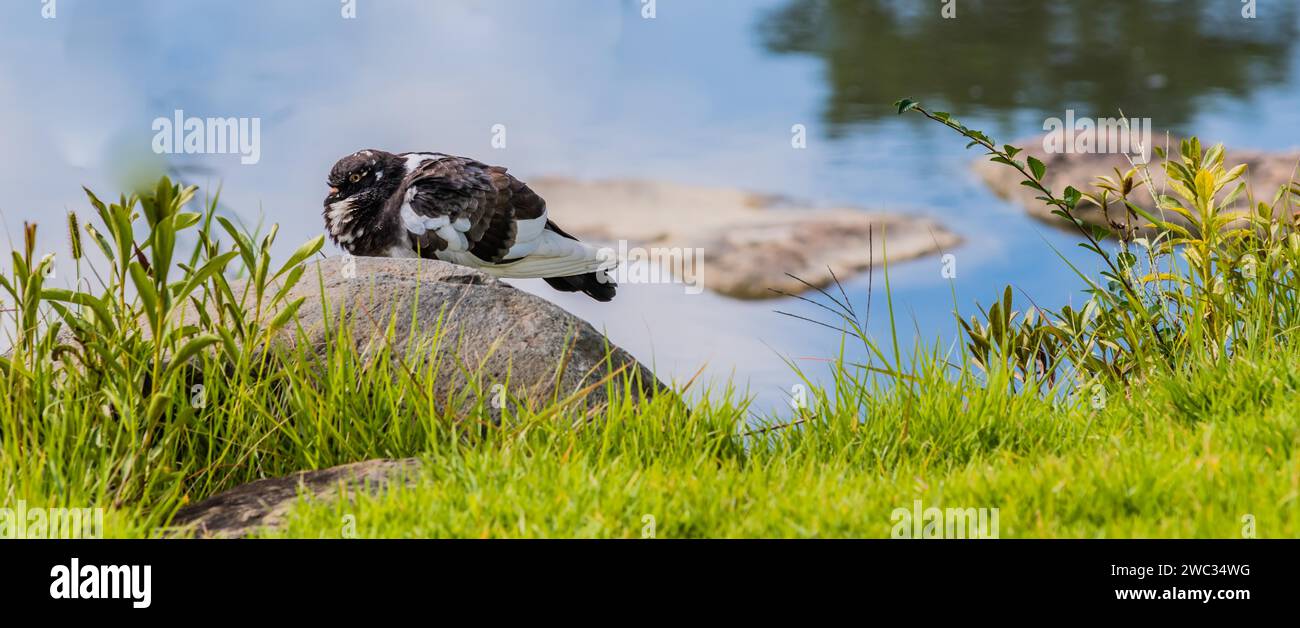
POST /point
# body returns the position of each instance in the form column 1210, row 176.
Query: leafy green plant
column 128, row 352
column 1220, row 278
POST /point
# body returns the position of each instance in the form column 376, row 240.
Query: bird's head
column 360, row 184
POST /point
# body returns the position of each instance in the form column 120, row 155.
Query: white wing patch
column 528, row 234
column 552, row 255
column 452, row 232
column 415, row 160
column 417, row 224
column 530, row 229
column 456, row 241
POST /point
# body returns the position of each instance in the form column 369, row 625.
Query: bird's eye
column 354, row 178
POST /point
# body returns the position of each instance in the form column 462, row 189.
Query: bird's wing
column 459, row 205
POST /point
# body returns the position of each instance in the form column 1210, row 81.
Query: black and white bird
column 457, row 210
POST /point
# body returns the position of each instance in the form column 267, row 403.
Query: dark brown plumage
column 459, row 210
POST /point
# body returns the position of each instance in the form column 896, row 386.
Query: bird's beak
column 334, row 191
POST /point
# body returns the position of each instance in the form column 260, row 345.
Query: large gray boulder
column 481, row 332
column 470, row 325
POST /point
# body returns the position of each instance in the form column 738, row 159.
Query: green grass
column 1164, row 464
column 1192, row 355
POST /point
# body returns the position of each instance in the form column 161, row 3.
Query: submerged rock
column 748, row 242
column 1266, row 173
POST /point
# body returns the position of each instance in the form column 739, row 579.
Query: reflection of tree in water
column 1151, row 58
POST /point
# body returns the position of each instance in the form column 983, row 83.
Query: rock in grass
column 492, row 344
column 262, row 505
column 487, row 332
column 749, row 241
column 1267, row 173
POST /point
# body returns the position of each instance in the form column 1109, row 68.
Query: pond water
column 705, row 93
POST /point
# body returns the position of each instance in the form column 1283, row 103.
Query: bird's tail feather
column 595, row 285
column 567, row 264
column 555, row 256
